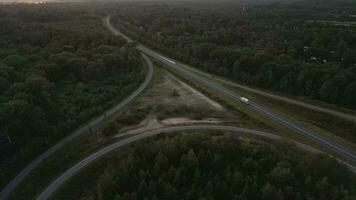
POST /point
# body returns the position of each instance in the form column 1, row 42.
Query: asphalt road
column 28, row 169
column 114, row 30
column 236, row 130
column 335, row 113
column 186, row 70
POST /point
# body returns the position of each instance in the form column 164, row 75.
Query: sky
column 27, row 1
column 33, row 1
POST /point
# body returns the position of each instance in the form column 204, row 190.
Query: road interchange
column 188, row 72
column 184, row 69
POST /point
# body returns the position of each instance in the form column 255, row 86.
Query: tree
column 349, row 95
column 324, row 189
column 190, row 161
column 329, row 92
column 349, row 57
column 341, row 48
column 170, row 192
column 269, row 192
column 236, row 69
column 143, row 189
column 282, row 176
column 16, row 61
column 4, row 84
column 162, row 162
column 202, row 51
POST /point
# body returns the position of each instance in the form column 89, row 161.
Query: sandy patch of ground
column 153, row 123
column 146, row 125
column 185, row 120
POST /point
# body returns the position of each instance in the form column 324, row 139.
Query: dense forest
column 59, row 68
column 302, row 48
column 218, row 166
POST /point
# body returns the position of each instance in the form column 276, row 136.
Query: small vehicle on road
column 244, row 100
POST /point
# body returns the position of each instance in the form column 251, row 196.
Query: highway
column 188, row 72
column 28, row 169
column 338, row 114
column 104, row 151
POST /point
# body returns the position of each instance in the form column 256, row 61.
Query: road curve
column 187, row 71
column 28, row 169
column 104, row 151
column 113, row 30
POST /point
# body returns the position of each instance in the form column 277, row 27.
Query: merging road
column 188, row 72
column 236, row 130
column 28, row 169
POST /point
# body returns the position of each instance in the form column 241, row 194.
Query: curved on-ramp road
column 28, row 169
column 104, row 151
column 342, row 151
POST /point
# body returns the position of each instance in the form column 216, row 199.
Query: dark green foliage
column 275, row 46
column 55, row 76
column 200, row 166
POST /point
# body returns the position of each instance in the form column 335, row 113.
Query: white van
column 244, row 100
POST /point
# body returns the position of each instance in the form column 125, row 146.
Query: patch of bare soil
column 148, row 124
column 152, row 124
column 185, row 120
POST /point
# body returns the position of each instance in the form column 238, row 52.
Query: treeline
column 59, row 68
column 284, row 47
column 206, row 167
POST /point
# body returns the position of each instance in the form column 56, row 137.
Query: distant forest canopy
column 201, row 166
column 59, row 67
column 302, row 48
